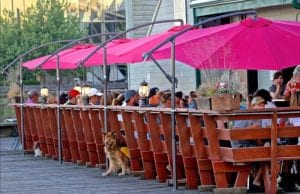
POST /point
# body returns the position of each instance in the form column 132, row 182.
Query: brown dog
column 117, row 159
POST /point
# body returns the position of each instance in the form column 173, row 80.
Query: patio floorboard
column 26, row 174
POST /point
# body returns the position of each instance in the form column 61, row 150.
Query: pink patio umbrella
column 97, row 58
column 259, row 44
column 51, row 63
column 132, row 51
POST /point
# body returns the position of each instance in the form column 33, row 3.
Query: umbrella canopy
column 131, row 52
column 259, row 44
column 51, row 63
column 97, row 58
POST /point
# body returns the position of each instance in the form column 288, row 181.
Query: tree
column 45, row 22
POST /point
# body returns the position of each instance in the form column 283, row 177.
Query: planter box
column 225, row 102
column 203, row 103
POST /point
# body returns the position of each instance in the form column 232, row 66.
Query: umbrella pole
column 21, row 108
column 58, row 111
column 174, row 175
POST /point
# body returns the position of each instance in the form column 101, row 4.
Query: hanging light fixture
column 85, row 90
column 44, row 94
column 143, row 93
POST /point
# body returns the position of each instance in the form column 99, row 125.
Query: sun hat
column 128, row 94
column 258, row 100
column 94, row 92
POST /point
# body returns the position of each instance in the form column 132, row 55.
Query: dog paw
column 105, row 174
column 121, row 174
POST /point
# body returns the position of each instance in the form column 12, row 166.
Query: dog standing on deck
column 113, row 143
column 37, row 149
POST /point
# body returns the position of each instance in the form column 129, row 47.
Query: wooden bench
column 224, row 158
column 8, row 128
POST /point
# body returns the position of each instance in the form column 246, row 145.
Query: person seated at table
column 72, row 97
column 255, row 103
column 179, row 101
column 94, row 96
column 51, row 99
column 63, row 98
column 118, row 101
column 191, row 102
column 278, row 87
column 165, row 100
column 33, row 97
column 293, row 85
column 131, row 98
column 154, row 97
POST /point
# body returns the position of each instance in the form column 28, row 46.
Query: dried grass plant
column 14, row 88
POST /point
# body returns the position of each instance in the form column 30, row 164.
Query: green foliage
column 45, row 22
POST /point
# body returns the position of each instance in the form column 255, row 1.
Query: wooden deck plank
column 26, row 174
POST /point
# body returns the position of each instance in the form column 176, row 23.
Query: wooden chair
column 144, row 141
column 98, row 135
column 32, row 124
column 187, row 150
column 26, row 145
column 40, row 129
column 89, row 137
column 66, row 148
column 201, row 151
column 70, row 134
column 47, row 132
column 118, row 124
column 165, row 122
column 80, row 136
column 159, row 144
column 131, row 136
column 27, row 131
column 54, row 131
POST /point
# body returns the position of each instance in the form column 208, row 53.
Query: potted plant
column 221, row 93
column 13, row 93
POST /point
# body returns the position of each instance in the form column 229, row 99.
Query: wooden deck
column 26, row 174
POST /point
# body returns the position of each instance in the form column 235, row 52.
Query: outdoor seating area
column 205, row 158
